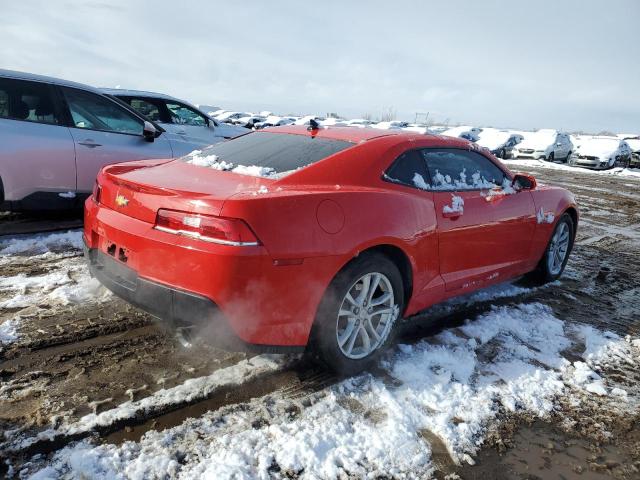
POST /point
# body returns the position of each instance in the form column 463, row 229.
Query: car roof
column 125, row 92
column 43, row 78
column 346, row 133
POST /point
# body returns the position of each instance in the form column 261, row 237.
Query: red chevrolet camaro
column 301, row 237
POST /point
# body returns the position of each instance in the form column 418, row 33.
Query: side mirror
column 522, row 181
column 149, row 132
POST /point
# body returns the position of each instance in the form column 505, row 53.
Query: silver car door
column 104, row 132
column 37, row 157
column 193, row 126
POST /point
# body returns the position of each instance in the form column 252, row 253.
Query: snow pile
column 38, row 244
column 445, row 182
column 213, row 161
column 70, row 284
column 457, row 205
column 8, row 332
column 452, row 385
column 617, row 171
column 418, row 181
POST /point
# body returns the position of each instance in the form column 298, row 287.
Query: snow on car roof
column 599, row 146
column 492, row 138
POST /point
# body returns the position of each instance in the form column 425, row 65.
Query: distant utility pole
column 418, row 114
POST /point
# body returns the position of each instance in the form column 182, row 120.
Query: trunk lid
column 140, row 189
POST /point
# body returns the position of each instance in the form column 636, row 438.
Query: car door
column 484, row 226
column 193, row 128
column 104, row 132
column 561, row 147
column 37, row 155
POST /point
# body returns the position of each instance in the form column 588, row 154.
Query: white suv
column 545, row 144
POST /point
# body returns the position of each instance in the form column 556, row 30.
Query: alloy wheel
column 366, row 315
column 558, row 249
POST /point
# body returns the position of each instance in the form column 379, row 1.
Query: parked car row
column 545, row 144
column 56, row 135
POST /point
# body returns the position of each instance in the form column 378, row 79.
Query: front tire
column 557, row 252
column 356, row 318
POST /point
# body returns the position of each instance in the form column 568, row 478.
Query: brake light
column 226, row 231
column 97, row 192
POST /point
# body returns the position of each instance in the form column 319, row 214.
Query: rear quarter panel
column 290, row 225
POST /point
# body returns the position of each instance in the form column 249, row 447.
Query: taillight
column 97, row 192
column 227, row 231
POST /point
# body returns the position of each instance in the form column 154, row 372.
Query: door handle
column 451, row 215
column 90, row 143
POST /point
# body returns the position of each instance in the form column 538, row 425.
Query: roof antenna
column 313, row 124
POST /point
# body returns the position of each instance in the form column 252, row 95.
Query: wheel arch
column 573, row 213
column 398, row 256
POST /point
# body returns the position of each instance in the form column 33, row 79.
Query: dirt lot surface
column 76, row 350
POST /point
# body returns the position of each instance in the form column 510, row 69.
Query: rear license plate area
column 117, row 251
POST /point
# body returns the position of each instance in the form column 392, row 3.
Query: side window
column 95, row 112
column 28, row 101
column 144, row 107
column 183, row 115
column 456, row 169
column 409, row 169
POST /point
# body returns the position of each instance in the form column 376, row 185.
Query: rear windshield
column 266, row 154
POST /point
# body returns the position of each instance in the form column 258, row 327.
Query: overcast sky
column 546, row 63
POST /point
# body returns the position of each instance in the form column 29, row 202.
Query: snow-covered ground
column 452, row 385
column 513, row 164
column 39, row 244
column 68, row 283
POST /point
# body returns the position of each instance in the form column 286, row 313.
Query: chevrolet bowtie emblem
column 121, row 200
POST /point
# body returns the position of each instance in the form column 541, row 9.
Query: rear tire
column 556, row 254
column 356, row 319
column 551, row 157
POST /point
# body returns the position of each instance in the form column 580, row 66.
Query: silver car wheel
column 366, row 315
column 558, row 249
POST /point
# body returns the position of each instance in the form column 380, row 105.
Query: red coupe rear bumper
column 263, row 302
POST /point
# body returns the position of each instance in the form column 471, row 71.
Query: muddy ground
column 71, row 359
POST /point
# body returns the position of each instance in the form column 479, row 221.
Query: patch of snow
column 542, row 217
column 38, row 244
column 254, row 170
column 69, row 284
column 617, row 171
column 67, row 194
column 213, row 161
column 418, row 181
column 457, row 205
column 8, row 331
column 261, row 190
column 452, row 385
